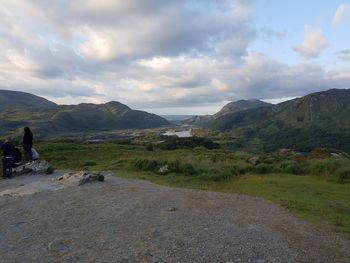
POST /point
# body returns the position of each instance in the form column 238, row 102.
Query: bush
column 263, row 168
column 325, row 166
column 147, row 165
column 188, row 169
column 149, row 148
column 291, row 167
column 216, row 175
column 343, row 174
column 50, row 170
column 100, row 178
column 173, row 143
column 89, row 163
column 237, row 170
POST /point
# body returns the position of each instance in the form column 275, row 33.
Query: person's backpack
column 35, row 154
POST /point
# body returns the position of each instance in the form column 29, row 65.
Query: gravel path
column 123, row 220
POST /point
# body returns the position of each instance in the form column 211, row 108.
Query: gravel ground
column 123, row 220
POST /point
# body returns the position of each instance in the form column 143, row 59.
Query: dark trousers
column 7, row 164
column 28, row 153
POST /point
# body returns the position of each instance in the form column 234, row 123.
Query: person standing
column 28, row 144
column 8, row 150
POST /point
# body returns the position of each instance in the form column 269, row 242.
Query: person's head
column 27, row 130
column 8, row 139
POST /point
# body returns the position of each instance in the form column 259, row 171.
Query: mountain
column 241, row 105
column 232, row 107
column 176, row 118
column 85, row 117
column 317, row 120
column 18, row 99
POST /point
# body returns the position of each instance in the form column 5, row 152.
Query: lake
column 181, row 134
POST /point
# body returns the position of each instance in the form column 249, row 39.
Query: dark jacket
column 28, row 139
column 8, row 149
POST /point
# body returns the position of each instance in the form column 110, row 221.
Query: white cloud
column 314, row 43
column 342, row 14
column 149, row 53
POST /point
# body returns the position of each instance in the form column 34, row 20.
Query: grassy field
column 312, row 186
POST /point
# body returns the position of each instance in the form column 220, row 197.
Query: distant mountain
column 317, row 120
column 176, row 118
column 241, row 105
column 18, row 99
column 85, row 117
column 232, row 107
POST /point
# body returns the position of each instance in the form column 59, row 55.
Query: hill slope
column 18, row 99
column 77, row 118
column 317, row 120
column 232, row 107
column 241, row 105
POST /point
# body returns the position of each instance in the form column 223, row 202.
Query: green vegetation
column 317, row 120
column 313, row 185
column 174, row 142
column 57, row 120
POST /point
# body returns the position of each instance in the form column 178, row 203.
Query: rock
column 79, row 178
column 164, row 169
column 56, row 246
column 172, row 209
column 285, row 151
column 336, row 155
column 253, row 160
column 38, row 166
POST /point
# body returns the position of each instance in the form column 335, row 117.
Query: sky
column 173, row 57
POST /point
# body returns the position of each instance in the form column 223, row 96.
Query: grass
column 307, row 186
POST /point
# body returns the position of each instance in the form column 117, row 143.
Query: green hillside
column 77, row 118
column 320, row 119
column 18, row 99
column 241, row 105
column 230, row 108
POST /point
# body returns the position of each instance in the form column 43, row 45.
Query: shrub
column 216, row 175
column 343, row 174
column 100, row 178
column 173, row 143
column 149, row 148
column 263, row 168
column 325, row 166
column 89, row 163
column 188, row 169
column 147, row 165
column 237, row 170
column 291, row 167
column 50, row 170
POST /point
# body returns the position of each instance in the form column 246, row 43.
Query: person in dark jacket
column 17, row 157
column 8, row 150
column 28, row 144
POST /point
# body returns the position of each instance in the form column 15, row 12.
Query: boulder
column 79, row 178
column 38, row 166
column 164, row 169
column 253, row 160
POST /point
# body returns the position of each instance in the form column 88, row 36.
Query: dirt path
column 123, row 220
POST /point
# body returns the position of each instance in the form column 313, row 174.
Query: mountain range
column 46, row 117
column 232, row 107
column 319, row 119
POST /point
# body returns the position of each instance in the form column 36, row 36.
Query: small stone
column 253, row 160
column 56, row 246
column 172, row 209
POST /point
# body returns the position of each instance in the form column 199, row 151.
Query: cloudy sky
column 173, row 57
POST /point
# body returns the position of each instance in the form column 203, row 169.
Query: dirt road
column 122, row 220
